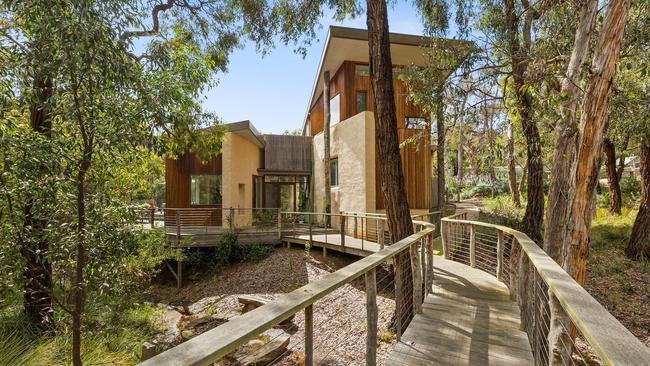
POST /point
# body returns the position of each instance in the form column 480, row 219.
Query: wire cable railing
column 329, row 322
column 565, row 325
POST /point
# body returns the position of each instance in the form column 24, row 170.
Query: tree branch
column 155, row 22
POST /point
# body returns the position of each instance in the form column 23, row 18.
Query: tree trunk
column 592, row 129
column 79, row 290
column 512, row 172
column 37, row 274
column 523, row 178
column 440, row 127
column 392, row 177
column 615, row 196
column 326, row 142
column 532, row 222
column 639, row 244
column 566, row 130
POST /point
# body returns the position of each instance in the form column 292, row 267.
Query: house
column 286, row 172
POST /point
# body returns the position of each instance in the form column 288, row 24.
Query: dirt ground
column 339, row 318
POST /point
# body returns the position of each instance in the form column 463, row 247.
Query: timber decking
column 468, row 320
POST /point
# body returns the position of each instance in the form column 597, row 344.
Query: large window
column 334, row 172
column 206, row 189
column 362, row 101
column 335, row 110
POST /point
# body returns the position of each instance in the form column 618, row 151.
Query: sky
column 273, row 91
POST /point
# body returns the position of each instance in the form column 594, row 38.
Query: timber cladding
column 286, row 153
column 346, row 83
column 178, row 173
column 416, row 165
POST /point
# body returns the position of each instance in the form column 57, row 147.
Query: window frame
column 334, row 173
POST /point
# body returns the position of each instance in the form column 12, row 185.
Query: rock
column 171, row 320
column 203, row 304
column 262, row 350
column 253, row 302
column 187, row 334
column 148, row 351
column 199, row 325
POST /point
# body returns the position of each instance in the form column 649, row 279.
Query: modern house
column 287, row 172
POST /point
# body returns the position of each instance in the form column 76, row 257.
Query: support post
column 423, row 261
column 343, row 219
column 429, row 278
column 381, row 233
column 178, row 228
column 309, row 335
column 152, row 213
column 499, row 255
column 372, row 315
column 279, row 224
column 311, row 237
column 443, row 235
column 398, row 295
column 179, row 273
column 416, row 273
column 355, row 226
column 472, row 246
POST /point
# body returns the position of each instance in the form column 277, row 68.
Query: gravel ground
column 339, row 318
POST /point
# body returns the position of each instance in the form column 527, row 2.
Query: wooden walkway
column 332, row 241
column 468, row 320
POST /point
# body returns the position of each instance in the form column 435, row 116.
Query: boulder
column 262, row 350
column 203, row 304
column 171, row 320
column 250, row 302
column 148, row 351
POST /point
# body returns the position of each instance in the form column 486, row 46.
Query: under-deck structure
column 492, row 298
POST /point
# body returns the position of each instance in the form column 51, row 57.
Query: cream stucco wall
column 352, row 141
column 240, row 161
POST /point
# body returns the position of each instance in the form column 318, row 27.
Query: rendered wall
column 240, row 160
column 352, row 141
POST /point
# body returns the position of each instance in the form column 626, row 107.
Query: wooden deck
column 468, row 320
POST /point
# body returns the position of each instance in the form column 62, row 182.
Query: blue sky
column 273, row 91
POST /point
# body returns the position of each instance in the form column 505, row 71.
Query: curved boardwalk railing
column 565, row 325
column 391, row 299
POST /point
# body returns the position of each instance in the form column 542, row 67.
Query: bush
column 481, row 188
column 228, row 251
column 501, row 210
column 630, row 187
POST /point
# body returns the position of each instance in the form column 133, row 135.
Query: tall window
column 335, row 110
column 415, row 122
column 362, row 101
column 206, row 189
column 334, row 172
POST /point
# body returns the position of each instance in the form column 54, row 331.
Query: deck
column 468, row 320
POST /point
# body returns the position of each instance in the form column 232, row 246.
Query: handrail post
column 381, row 233
column 499, row 254
column 152, row 217
column 355, row 225
column 430, row 263
column 398, row 300
column 232, row 218
column 443, row 235
column 416, row 273
column 309, row 335
column 423, row 261
column 178, row 228
column 372, row 315
column 472, row 246
column 343, row 219
column 310, row 230
column 279, row 225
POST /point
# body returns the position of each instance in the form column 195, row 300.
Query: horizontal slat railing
column 221, row 341
column 554, row 307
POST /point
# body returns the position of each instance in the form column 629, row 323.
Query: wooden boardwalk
column 468, row 320
column 332, row 241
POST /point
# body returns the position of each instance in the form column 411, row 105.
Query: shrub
column 630, row 188
column 227, row 251
column 481, row 188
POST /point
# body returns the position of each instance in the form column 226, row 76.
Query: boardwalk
column 468, row 320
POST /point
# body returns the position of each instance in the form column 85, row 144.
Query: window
column 415, row 122
column 335, row 110
column 361, row 70
column 362, row 99
column 334, row 172
column 206, row 189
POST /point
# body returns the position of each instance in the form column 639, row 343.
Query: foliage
column 630, row 187
column 227, row 252
column 501, row 210
column 482, row 188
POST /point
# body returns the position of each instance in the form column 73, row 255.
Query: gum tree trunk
column 37, row 274
column 512, row 172
column 390, row 164
column 639, row 244
column 615, row 196
column 566, row 130
column 592, row 128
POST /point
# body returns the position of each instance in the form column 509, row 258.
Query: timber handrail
column 214, row 344
column 611, row 341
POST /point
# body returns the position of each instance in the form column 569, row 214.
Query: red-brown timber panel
column 416, row 165
column 177, row 177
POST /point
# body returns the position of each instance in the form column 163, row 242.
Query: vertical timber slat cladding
column 285, row 153
column 416, row 164
column 177, row 177
column 346, row 83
